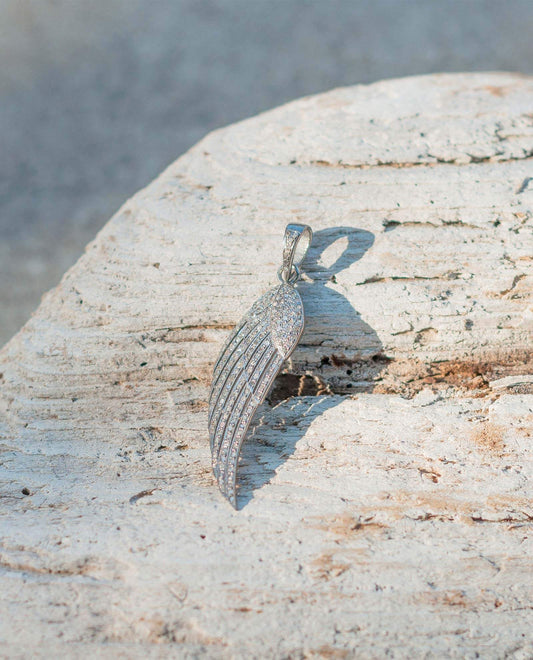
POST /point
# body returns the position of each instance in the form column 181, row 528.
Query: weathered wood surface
column 389, row 510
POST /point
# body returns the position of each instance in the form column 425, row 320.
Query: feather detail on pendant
column 250, row 361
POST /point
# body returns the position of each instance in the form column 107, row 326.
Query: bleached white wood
column 388, row 511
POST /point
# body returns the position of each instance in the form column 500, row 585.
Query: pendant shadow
column 346, row 358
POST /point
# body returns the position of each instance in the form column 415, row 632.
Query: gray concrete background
column 97, row 97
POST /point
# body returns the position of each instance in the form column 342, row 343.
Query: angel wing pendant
column 251, row 359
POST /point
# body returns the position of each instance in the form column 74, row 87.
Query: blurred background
column 96, row 98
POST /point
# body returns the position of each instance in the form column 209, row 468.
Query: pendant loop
column 296, row 241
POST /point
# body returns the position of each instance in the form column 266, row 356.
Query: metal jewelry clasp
column 296, row 241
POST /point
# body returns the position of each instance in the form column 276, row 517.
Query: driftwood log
column 386, row 494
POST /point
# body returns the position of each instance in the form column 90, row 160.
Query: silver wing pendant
column 251, row 359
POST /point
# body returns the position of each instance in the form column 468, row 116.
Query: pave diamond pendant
column 251, row 359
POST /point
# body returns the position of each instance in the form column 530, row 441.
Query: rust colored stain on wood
column 489, row 437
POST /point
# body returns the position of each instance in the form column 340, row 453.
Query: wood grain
column 386, row 495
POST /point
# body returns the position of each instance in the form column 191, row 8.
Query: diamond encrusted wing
column 244, row 373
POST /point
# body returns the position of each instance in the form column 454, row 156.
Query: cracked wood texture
column 386, row 493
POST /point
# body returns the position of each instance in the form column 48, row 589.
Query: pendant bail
column 296, row 241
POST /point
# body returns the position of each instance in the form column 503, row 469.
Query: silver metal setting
column 252, row 358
